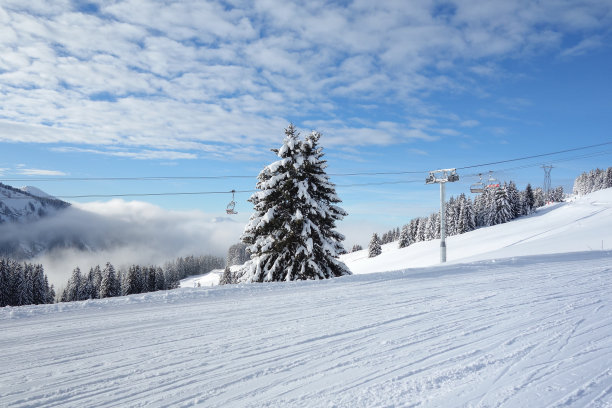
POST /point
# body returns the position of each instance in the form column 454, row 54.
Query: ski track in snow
column 533, row 331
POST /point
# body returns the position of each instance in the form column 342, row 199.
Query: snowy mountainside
column 21, row 210
column 27, row 204
column 35, row 191
column 579, row 224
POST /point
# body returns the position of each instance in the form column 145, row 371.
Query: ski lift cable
column 463, row 180
column 350, row 174
column 538, row 164
column 533, row 156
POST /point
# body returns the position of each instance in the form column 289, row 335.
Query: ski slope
column 581, row 224
column 525, row 330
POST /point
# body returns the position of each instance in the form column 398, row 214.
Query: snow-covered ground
column 581, row 224
column 521, row 322
column 208, row 279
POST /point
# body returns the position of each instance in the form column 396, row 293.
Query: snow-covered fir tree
column 292, row 231
column 237, row 254
column 374, row 248
column 110, row 284
column 539, row 199
column 503, row 210
column 356, row 248
column 431, row 227
column 514, row 198
column 527, row 201
column 404, row 238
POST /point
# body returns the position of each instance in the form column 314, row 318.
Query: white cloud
column 469, row 123
column 210, row 72
column 583, row 47
column 39, row 172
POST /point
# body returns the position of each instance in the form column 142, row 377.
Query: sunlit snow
column 520, row 317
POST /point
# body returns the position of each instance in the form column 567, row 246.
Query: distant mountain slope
column 27, row 204
column 35, row 191
column 580, row 224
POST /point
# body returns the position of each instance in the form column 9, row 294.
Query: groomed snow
column 516, row 331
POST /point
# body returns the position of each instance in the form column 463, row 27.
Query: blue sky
column 194, row 88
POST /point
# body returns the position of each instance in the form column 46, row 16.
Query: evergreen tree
column 5, row 289
column 462, row 221
column 237, row 254
column 374, row 249
column 227, row 277
column 421, row 227
column 96, row 282
column 503, row 211
column 414, row 226
column 109, row 285
column 404, row 238
column 514, row 198
column 489, row 207
column 479, row 211
column 528, row 200
column 451, row 217
column 28, row 281
column 160, row 282
column 430, row 227
column 73, row 289
column 19, row 285
column 356, row 248
column 292, row 231
column 132, row 281
column 39, row 286
column 49, row 292
column 538, row 198
column 151, row 284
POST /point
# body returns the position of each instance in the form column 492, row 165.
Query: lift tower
column 442, row 177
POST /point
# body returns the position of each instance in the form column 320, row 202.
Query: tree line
column 23, row 284
column 594, row 180
column 108, row 282
column 492, row 207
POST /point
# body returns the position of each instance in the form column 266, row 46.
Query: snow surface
column 516, row 331
column 208, row 279
column 581, row 224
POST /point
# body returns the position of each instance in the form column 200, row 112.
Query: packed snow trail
column 521, row 332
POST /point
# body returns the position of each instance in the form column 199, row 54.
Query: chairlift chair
column 430, row 179
column 492, row 182
column 231, row 206
column 478, row 187
column 453, row 176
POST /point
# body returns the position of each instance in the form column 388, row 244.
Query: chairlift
column 453, row 176
column 492, row 183
column 478, row 187
column 231, row 206
column 430, row 179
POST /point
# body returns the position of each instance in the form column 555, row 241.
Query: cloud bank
column 121, row 232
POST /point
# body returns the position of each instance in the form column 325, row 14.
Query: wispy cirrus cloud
column 39, row 172
column 181, row 78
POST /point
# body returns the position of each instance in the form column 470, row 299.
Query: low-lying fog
column 123, row 233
